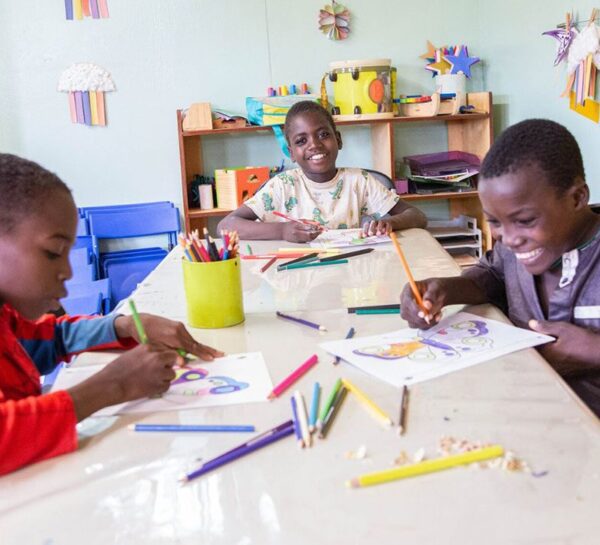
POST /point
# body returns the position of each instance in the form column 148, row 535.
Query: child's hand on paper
column 144, row 371
column 300, row 232
column 434, row 299
column 377, row 227
column 575, row 349
column 168, row 333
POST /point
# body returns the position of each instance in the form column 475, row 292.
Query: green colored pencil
column 138, row 323
column 316, row 264
column 378, row 311
column 328, row 402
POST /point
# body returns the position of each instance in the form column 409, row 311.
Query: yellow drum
column 363, row 89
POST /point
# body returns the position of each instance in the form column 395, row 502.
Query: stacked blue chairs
column 86, row 210
column 92, row 289
column 89, row 304
column 127, row 268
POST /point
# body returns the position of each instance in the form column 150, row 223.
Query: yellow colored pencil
column 411, row 280
column 426, row 466
column 373, row 408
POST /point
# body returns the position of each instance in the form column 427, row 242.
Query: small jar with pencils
column 212, row 280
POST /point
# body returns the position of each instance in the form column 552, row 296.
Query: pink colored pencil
column 268, row 264
column 293, row 377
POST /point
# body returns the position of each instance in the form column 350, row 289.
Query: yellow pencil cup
column 213, row 293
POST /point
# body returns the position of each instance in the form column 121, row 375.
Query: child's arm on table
column 576, row 349
column 438, row 293
column 243, row 220
column 401, row 216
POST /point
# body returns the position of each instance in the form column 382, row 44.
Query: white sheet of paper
column 234, row 379
column 408, row 356
column 343, row 238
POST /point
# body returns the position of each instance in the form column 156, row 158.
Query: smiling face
column 314, row 145
column 535, row 220
column 34, row 256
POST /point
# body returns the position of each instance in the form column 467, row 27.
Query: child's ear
column 338, row 137
column 580, row 193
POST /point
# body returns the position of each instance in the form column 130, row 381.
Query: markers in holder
column 198, row 250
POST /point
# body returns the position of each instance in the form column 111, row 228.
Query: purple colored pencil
column 262, row 440
column 301, row 321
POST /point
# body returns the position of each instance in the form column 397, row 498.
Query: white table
column 121, row 488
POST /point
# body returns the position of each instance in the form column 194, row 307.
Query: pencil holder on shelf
column 213, row 293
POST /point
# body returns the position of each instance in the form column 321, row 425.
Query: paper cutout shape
column 334, row 20
column 86, row 84
column 564, row 37
column 461, row 62
column 448, row 60
column 408, row 356
column 78, row 9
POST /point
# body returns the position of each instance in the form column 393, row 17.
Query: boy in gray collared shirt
column 544, row 270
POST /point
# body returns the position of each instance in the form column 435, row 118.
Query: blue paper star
column 462, row 62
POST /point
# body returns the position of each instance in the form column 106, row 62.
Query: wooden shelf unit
column 472, row 133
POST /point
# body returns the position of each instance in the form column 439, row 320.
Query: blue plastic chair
column 82, row 273
column 82, row 227
column 84, row 289
column 126, row 273
column 88, row 305
column 129, row 254
column 86, row 211
column 79, row 258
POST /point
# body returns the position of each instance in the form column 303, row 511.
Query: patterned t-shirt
column 337, row 204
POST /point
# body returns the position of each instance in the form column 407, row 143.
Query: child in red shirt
column 38, row 222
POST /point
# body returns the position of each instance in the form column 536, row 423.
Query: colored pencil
column 293, row 377
column 302, row 418
column 138, row 323
column 316, row 264
column 297, row 430
column 256, row 257
column 303, row 222
column 348, row 254
column 301, row 321
column 333, row 410
column 403, row 410
column 365, row 311
column 299, row 250
column 329, row 401
column 411, row 280
column 249, row 249
column 376, row 411
column 349, row 335
column 302, row 259
column 258, row 442
column 190, row 428
column 268, row 264
column 314, row 407
column 426, row 466
column 352, row 310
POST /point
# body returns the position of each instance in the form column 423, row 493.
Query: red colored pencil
column 293, row 377
column 268, row 264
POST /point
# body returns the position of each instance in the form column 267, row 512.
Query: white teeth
column 317, row 157
column 528, row 255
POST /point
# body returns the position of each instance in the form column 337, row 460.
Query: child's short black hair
column 23, row 188
column 536, row 141
column 303, row 107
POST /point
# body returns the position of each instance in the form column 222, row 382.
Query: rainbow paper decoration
column 86, row 84
column 78, row 9
column 334, row 20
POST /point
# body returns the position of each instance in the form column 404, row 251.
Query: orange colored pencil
column 411, row 280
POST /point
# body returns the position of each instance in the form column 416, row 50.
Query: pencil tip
column 352, row 483
column 131, row 427
column 271, row 396
column 322, row 328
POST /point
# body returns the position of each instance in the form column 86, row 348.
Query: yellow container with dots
column 213, row 293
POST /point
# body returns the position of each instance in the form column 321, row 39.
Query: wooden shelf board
column 440, row 196
column 211, row 212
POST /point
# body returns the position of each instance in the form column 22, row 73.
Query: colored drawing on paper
column 409, row 356
column 198, row 382
column 447, row 343
column 341, row 238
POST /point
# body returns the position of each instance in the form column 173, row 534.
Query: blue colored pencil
column 349, row 335
column 297, row 429
column 184, row 427
column 262, row 440
column 314, row 407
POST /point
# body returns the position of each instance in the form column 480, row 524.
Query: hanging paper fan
column 334, row 20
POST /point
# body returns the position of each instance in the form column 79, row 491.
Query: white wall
column 165, row 54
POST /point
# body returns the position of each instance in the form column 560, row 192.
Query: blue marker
column 184, row 427
column 314, row 408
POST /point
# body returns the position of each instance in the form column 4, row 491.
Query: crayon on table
column 301, row 321
column 329, row 401
column 403, row 410
column 374, row 409
column 314, row 407
column 302, row 418
column 297, row 430
column 349, row 335
column 367, row 311
column 426, row 466
column 293, row 377
column 190, row 428
column 316, row 264
column 332, row 413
